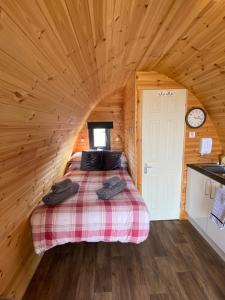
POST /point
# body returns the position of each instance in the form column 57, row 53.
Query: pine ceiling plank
column 28, row 17
column 119, row 23
column 154, row 12
column 37, row 69
column 42, row 95
column 81, row 37
column 172, row 28
column 56, row 12
column 194, row 45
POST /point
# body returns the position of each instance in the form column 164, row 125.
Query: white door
column 163, row 114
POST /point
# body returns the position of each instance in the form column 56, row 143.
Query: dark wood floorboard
column 175, row 262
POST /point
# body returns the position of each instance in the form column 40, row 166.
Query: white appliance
column 205, row 146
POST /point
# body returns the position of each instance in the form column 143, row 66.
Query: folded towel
column 111, row 181
column 218, row 211
column 109, row 192
column 62, row 186
column 53, row 198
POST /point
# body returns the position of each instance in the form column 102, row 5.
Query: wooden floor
column 174, row 263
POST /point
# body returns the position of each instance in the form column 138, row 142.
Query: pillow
column 75, row 161
column 76, row 157
column 124, row 166
column 111, row 160
column 75, row 165
column 91, row 161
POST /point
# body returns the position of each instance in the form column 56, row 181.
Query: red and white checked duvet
column 83, row 217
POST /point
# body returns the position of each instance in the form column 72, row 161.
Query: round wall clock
column 195, row 117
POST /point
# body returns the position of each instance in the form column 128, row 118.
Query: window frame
column 99, row 125
column 91, row 139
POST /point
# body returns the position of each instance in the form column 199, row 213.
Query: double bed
column 83, row 217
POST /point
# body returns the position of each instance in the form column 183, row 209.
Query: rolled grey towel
column 107, row 193
column 53, row 198
column 62, row 186
column 111, row 181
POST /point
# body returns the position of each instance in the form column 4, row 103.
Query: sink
column 215, row 169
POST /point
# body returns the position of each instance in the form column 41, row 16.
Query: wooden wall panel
column 191, row 149
column 29, row 166
column 39, row 118
column 82, row 141
column 154, row 80
column 110, row 109
column 130, row 126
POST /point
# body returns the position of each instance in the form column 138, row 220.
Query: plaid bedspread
column 83, row 217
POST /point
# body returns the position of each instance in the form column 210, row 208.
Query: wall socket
column 191, row 135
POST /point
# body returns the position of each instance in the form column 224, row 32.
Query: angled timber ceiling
column 72, row 53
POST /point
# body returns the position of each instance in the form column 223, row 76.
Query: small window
column 99, row 135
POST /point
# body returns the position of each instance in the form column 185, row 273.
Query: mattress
column 83, row 217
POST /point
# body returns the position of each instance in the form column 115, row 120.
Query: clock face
column 195, row 117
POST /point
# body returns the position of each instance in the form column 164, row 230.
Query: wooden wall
column 154, row 80
column 39, row 118
column 130, row 134
column 33, row 155
column 58, row 58
column 110, row 109
column 191, row 149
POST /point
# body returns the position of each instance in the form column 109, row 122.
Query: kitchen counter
column 215, row 176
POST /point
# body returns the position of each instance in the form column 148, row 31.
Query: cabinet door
column 198, row 194
column 189, row 206
column 205, row 204
column 216, row 234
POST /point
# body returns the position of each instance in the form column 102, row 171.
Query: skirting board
column 207, row 238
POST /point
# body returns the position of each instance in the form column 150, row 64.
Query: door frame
column 139, row 98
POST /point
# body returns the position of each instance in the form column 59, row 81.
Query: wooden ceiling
column 71, row 53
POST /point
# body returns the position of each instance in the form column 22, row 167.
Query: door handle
column 212, row 191
column 207, row 187
column 146, row 167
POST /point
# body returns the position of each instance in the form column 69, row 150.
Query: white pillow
column 76, row 157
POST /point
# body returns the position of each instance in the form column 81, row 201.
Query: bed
column 83, row 217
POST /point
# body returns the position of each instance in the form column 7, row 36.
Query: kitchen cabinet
column 217, row 235
column 200, row 199
column 198, row 195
